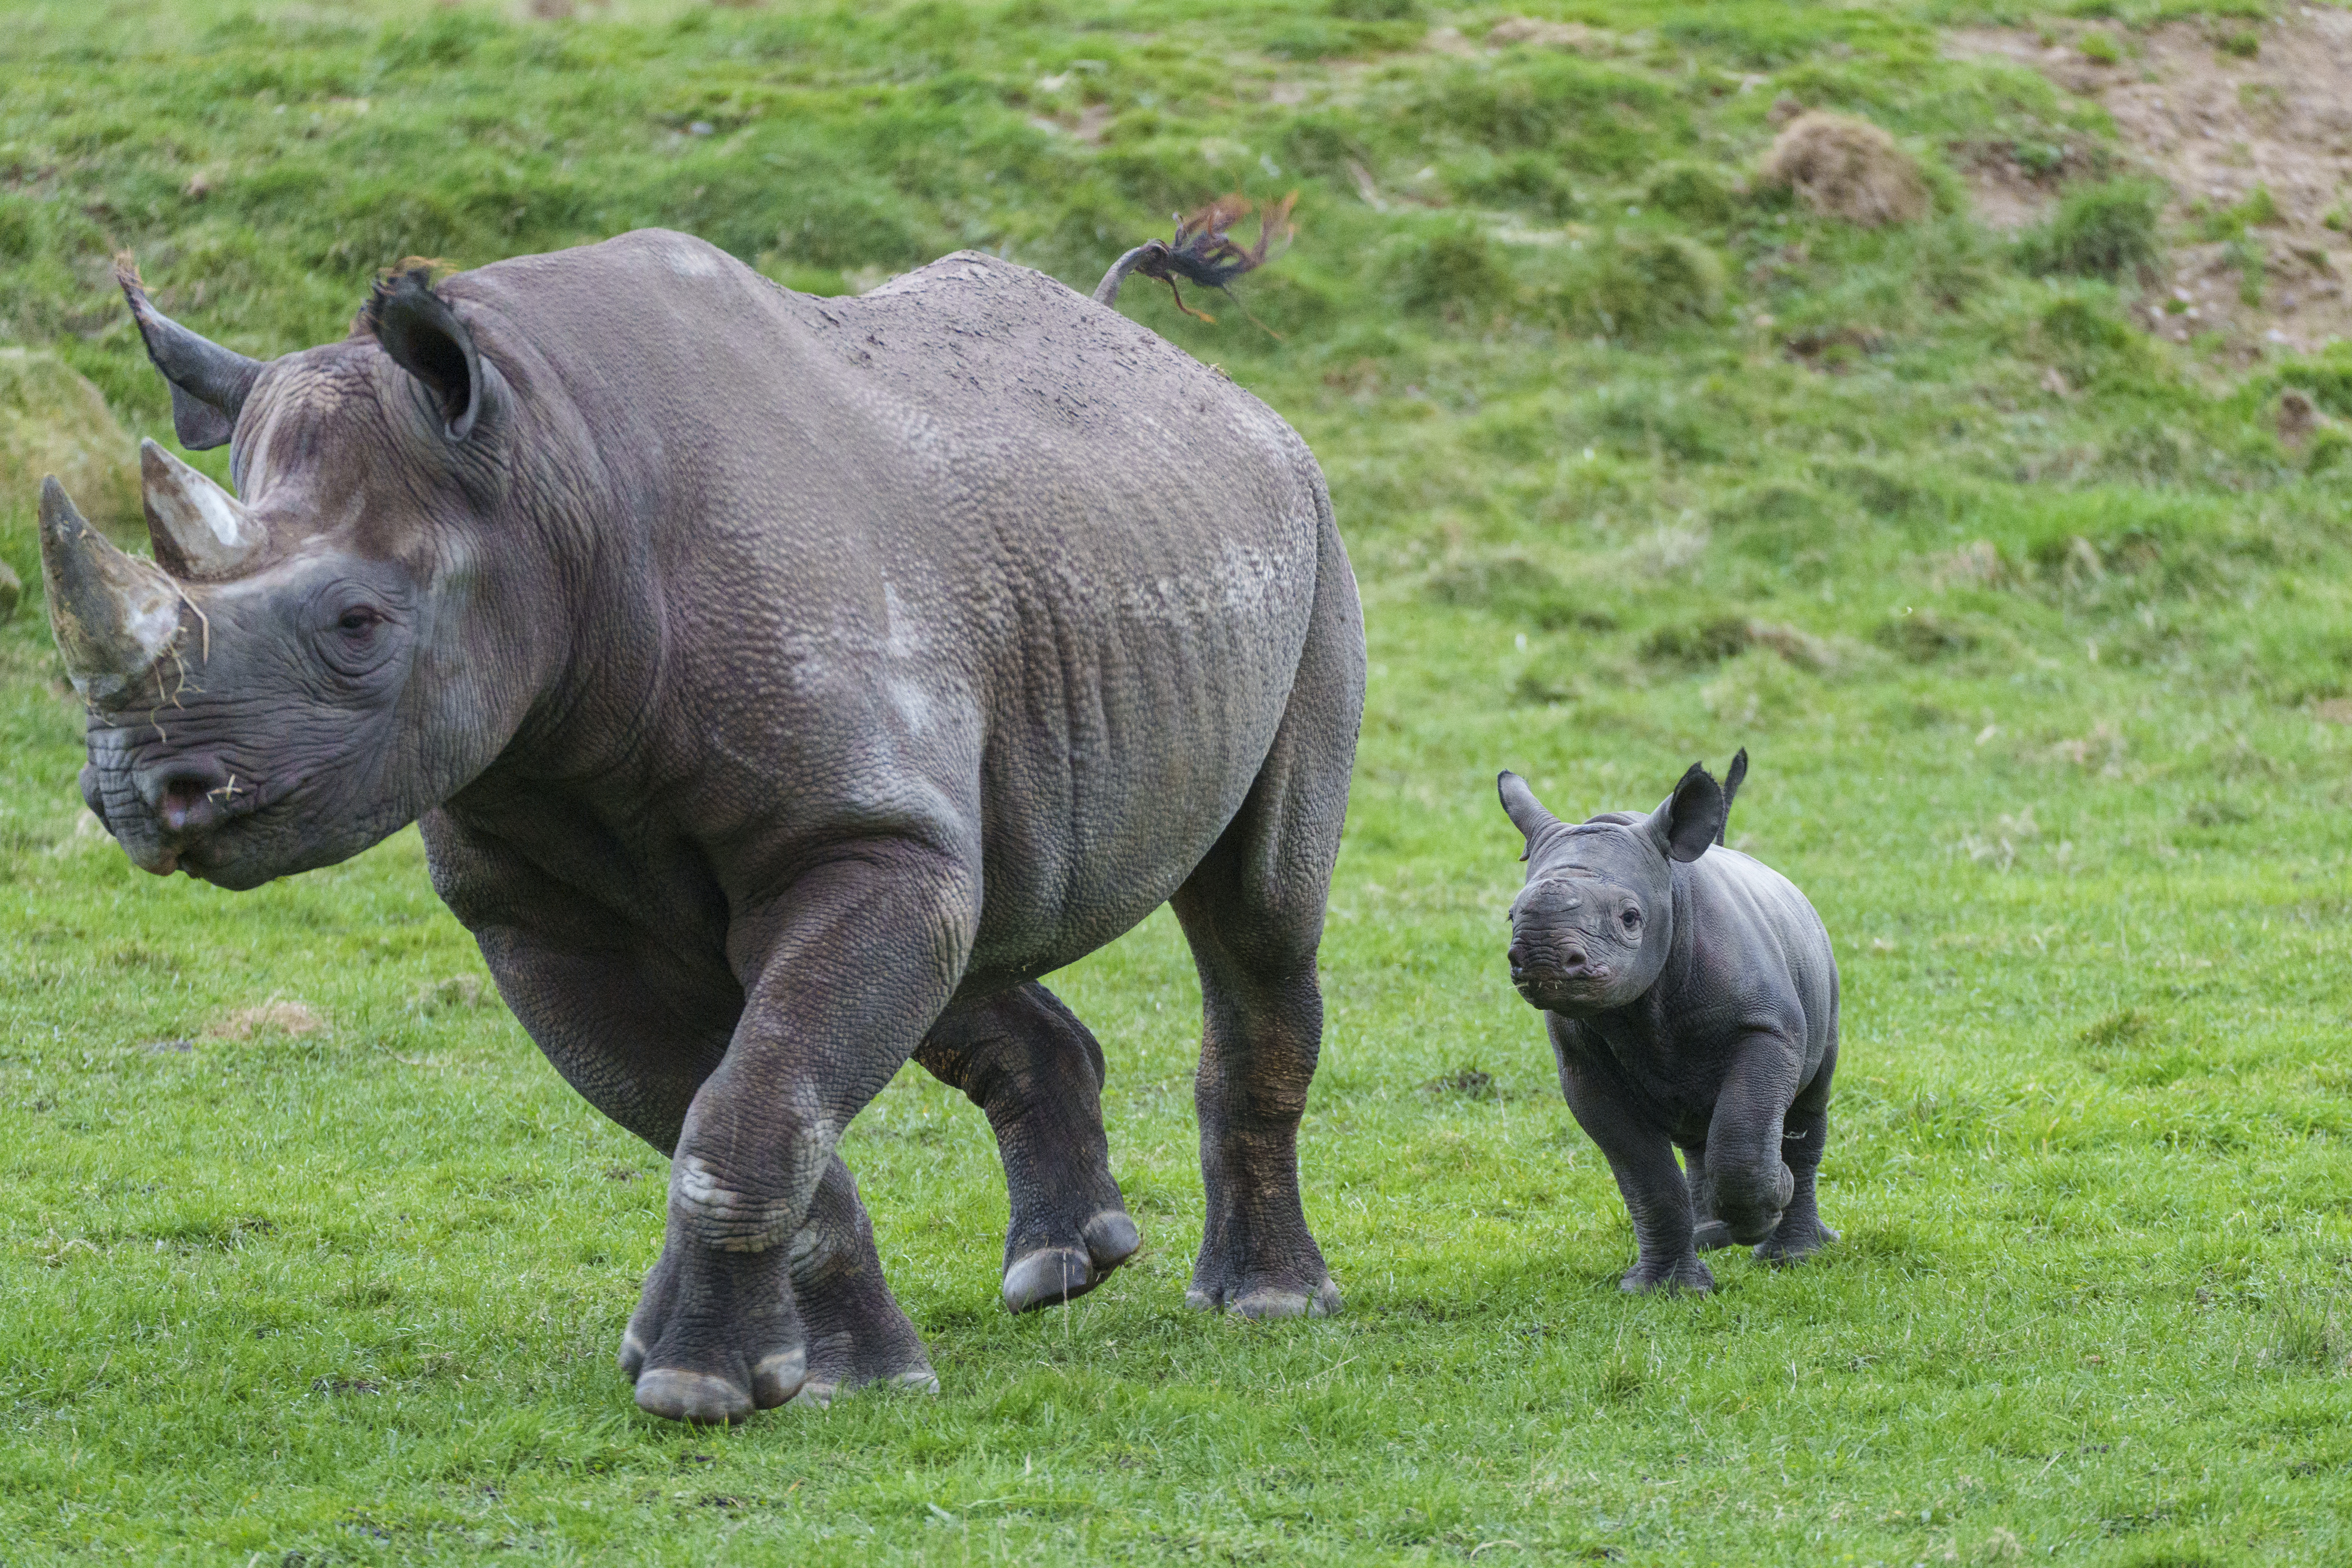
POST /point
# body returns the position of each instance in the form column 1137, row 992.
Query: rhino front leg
column 1707, row 1233
column 1750, row 1183
column 1642, row 1158
column 850, row 968
column 637, row 1047
column 1027, row 1060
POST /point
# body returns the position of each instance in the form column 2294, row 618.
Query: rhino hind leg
column 1027, row 1060
column 855, row 1332
column 1253, row 913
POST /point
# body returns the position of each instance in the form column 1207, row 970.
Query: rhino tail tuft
column 1204, row 252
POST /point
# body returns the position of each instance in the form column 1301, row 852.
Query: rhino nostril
column 1517, row 955
column 186, row 796
column 182, row 803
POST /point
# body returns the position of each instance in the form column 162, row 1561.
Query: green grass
column 2039, row 674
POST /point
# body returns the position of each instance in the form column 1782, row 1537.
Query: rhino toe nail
column 1111, row 1238
column 1273, row 1301
column 633, row 1354
column 1710, row 1235
column 779, row 1377
column 1326, row 1302
column 1049, row 1275
column 697, row 1396
column 1202, row 1300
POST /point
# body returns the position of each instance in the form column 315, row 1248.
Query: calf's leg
column 1642, row 1158
column 1708, row 1232
column 1748, row 1184
column 1027, row 1061
column 1801, row 1232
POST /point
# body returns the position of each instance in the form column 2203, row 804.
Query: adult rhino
column 782, row 684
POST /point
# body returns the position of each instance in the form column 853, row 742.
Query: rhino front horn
column 113, row 614
column 199, row 528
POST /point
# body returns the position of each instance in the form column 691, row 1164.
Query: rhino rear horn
column 199, row 528
column 113, row 614
column 425, row 338
column 209, row 383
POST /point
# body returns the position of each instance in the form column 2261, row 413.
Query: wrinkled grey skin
column 1692, row 1000
column 783, row 684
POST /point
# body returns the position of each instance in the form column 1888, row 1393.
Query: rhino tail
column 1203, row 252
column 1732, row 778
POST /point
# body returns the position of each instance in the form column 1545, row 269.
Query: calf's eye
column 357, row 619
column 1632, row 919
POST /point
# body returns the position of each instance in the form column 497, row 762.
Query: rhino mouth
column 194, row 820
column 1560, row 993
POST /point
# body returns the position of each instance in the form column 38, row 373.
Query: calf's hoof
column 1711, row 1235
column 1786, row 1246
column 1689, row 1274
column 1054, row 1274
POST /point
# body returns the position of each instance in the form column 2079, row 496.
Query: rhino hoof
column 1795, row 1248
column 697, row 1396
column 1274, row 1301
column 1710, row 1234
column 1054, row 1274
column 1049, row 1275
column 1689, row 1275
column 1111, row 1238
column 814, row 1396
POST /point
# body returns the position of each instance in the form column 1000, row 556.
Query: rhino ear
column 209, row 383
column 1691, row 819
column 1527, row 813
column 1733, row 777
column 423, row 336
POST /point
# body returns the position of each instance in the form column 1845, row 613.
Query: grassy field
column 2035, row 627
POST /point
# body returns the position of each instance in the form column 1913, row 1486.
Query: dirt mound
column 1846, row 168
column 2251, row 126
column 54, row 422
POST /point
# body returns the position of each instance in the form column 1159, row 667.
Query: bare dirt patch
column 2255, row 146
column 276, row 1016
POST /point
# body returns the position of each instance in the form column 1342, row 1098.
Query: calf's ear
column 423, row 336
column 1527, row 813
column 1691, row 819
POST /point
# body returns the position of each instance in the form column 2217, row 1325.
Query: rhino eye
column 358, row 621
column 1633, row 919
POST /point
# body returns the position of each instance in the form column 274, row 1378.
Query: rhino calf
column 1692, row 1000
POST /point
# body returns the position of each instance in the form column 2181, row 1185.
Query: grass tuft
column 2104, row 230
